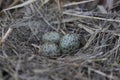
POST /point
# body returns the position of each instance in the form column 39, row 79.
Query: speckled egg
column 51, row 37
column 50, row 49
column 69, row 43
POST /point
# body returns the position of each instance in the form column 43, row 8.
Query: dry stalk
column 91, row 17
column 58, row 4
column 102, row 73
column 90, row 40
column 5, row 36
column 14, row 3
column 20, row 5
column 76, row 3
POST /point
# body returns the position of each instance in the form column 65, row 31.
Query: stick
column 5, row 36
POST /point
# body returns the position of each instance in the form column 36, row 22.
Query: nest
column 21, row 29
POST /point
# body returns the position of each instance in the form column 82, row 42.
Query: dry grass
column 21, row 32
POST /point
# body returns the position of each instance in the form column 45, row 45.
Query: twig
column 20, row 5
column 102, row 73
column 5, row 36
column 90, row 40
column 76, row 3
column 91, row 17
column 14, row 3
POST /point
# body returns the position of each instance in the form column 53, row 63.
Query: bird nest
column 21, row 29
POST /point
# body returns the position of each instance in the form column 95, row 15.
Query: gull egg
column 50, row 49
column 51, row 37
column 69, row 43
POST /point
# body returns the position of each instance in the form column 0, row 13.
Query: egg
column 69, row 43
column 50, row 49
column 51, row 37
